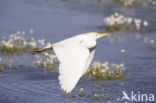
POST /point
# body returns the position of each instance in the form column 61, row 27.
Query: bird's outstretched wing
column 89, row 60
column 73, row 58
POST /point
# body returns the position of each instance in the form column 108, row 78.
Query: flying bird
column 75, row 55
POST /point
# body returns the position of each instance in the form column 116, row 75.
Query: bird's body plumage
column 75, row 55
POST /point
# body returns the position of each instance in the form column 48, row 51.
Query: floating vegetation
column 98, row 97
column 130, row 3
column 13, row 49
column 152, row 47
column 18, row 43
column 117, row 22
column 2, row 67
column 47, row 66
column 69, row 95
column 49, row 62
column 83, row 93
column 105, row 71
column 152, row 2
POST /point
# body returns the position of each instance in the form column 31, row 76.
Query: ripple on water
column 24, row 85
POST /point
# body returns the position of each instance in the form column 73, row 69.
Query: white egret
column 75, row 55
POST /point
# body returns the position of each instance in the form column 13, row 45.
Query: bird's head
column 96, row 35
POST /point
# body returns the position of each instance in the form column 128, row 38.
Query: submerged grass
column 97, row 98
column 117, row 28
column 118, row 22
column 130, row 3
column 2, row 67
column 105, row 74
column 83, row 94
column 13, row 49
column 51, row 67
column 152, row 47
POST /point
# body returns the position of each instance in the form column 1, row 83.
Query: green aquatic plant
column 47, row 61
column 116, row 28
column 152, row 46
column 16, row 43
column 2, row 67
column 83, row 93
column 130, row 3
column 13, row 49
column 104, row 72
column 69, row 95
column 97, row 97
column 19, row 43
column 152, row 3
column 118, row 22
column 48, row 66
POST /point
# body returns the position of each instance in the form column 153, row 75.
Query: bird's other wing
column 72, row 57
column 89, row 60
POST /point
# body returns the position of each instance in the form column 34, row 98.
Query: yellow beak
column 101, row 35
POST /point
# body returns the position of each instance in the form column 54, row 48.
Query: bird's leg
column 40, row 50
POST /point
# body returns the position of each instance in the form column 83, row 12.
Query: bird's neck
column 89, row 43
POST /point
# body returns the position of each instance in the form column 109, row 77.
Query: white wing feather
column 89, row 60
column 73, row 58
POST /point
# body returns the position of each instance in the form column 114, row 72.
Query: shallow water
column 57, row 20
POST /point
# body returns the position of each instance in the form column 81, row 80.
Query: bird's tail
column 40, row 50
